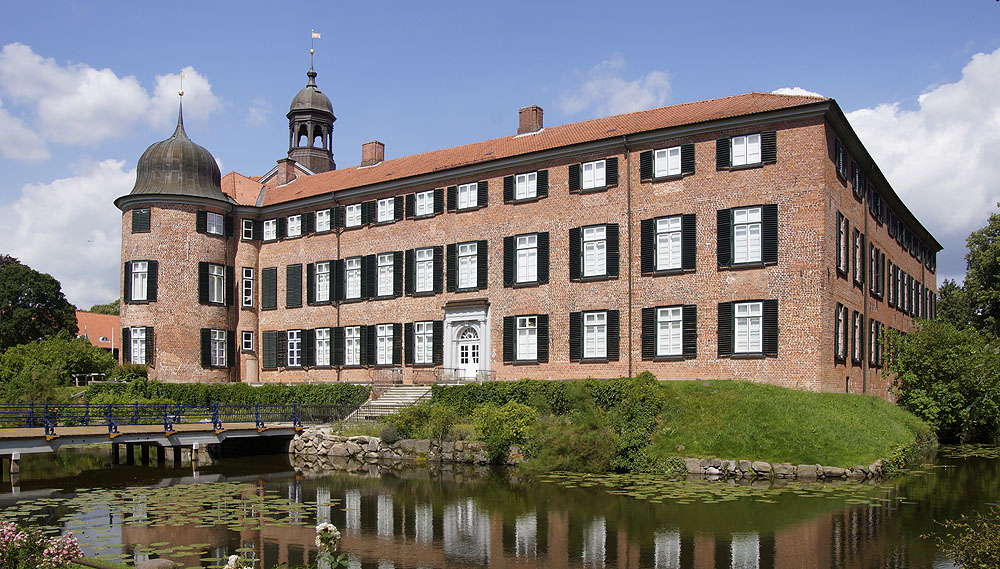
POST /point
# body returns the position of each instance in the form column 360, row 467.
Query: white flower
column 234, row 562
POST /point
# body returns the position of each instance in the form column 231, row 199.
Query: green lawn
column 743, row 420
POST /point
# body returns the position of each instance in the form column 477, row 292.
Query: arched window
column 468, row 333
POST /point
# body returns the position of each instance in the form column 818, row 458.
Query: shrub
column 390, row 434
column 580, row 441
column 131, row 372
column 29, row 548
column 973, row 541
column 500, row 427
column 411, row 421
column 440, row 422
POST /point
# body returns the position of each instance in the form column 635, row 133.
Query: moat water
column 263, row 509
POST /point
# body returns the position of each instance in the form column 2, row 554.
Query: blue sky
column 85, row 87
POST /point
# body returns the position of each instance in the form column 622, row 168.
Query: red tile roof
column 547, row 138
column 241, row 188
column 103, row 330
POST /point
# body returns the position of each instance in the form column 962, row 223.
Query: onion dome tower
column 310, row 128
column 178, row 255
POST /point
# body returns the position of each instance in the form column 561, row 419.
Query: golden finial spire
column 312, row 44
column 181, row 92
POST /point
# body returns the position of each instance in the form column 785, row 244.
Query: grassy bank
column 640, row 424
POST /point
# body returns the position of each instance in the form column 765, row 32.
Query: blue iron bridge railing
column 168, row 415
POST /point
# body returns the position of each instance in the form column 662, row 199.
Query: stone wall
column 719, row 468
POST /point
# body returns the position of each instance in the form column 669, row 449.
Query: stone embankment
column 317, row 448
column 322, row 442
column 715, row 467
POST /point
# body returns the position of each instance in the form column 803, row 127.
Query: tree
column 953, row 305
column 29, row 371
column 982, row 280
column 32, row 305
column 949, row 378
column 109, row 308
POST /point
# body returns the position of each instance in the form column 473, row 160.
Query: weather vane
column 181, row 92
column 312, row 43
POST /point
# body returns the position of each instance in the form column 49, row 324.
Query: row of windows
column 902, row 291
column 217, row 346
column 864, row 191
column 849, row 334
column 668, row 333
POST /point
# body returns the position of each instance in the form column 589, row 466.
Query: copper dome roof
column 178, row 166
column 310, row 98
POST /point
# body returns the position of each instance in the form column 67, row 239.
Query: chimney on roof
column 530, row 119
column 372, row 153
column 286, row 171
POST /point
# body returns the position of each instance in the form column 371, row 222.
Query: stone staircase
column 390, row 401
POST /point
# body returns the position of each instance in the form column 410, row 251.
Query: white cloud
column 605, row 92
column 79, row 105
column 941, row 157
column 68, row 228
column 18, row 141
column 798, row 91
column 259, row 112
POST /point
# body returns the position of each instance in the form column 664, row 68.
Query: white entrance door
column 468, row 352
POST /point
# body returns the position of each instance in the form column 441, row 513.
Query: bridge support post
column 195, row 447
column 116, row 457
column 15, row 465
column 177, row 457
column 130, row 454
column 161, row 456
column 145, row 454
column 3, row 469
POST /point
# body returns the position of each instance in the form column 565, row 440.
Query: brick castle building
column 747, row 237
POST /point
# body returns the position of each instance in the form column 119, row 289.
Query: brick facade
column 802, row 182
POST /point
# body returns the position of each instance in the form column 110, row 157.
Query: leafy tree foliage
column 32, row 305
column 949, row 378
column 31, row 371
column 953, row 305
column 109, row 308
column 982, row 280
column 973, row 542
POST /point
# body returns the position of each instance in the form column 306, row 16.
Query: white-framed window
column 424, row 260
column 468, row 195
column 247, row 229
column 746, row 150
column 525, row 186
column 246, row 340
column 294, row 351
column 746, row 235
column 527, row 258
column 385, row 276
column 838, row 332
column 467, row 266
column 218, row 352
column 352, row 345
column 669, row 331
column 856, row 337
column 593, row 175
column 527, row 337
column 294, row 226
column 352, row 215
column 843, row 243
column 423, row 203
column 748, row 327
column 138, row 344
column 140, row 279
column 594, row 250
column 385, row 209
column 322, row 350
column 270, row 229
column 595, row 334
column 667, row 162
column 246, row 288
column 423, row 342
column 323, row 218
column 352, row 277
column 215, row 223
column 383, row 344
column 322, row 281
column 216, row 284
column 668, row 243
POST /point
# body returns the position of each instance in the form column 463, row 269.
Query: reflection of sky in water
column 384, row 519
column 466, row 531
column 525, row 535
column 352, row 510
column 97, row 530
column 746, row 550
column 423, row 523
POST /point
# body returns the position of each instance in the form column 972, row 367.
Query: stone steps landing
column 390, row 401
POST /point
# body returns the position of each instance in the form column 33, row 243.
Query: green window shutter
column 575, row 336
column 152, row 280
column 723, row 153
column 575, row 253
column 574, row 178
column 206, row 347
column 646, row 165
column 647, row 245
column 611, row 172
column 543, row 338
column 201, row 221
column 614, row 335
column 770, row 327
column 725, row 329
column 687, row 158
column 293, row 286
column 269, row 288
column 689, row 331
column 724, row 240
column 769, row 234
column 648, row 333
column 612, row 249
column 202, row 282
column 689, row 246
column 509, row 338
column 127, row 284
column 542, row 186
column 126, row 345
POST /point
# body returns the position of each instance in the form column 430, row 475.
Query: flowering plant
column 234, row 562
column 328, row 540
column 20, row 547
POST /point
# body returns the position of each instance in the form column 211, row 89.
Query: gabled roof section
column 240, row 188
column 103, row 330
column 548, row 138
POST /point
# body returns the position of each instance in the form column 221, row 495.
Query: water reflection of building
column 402, row 528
